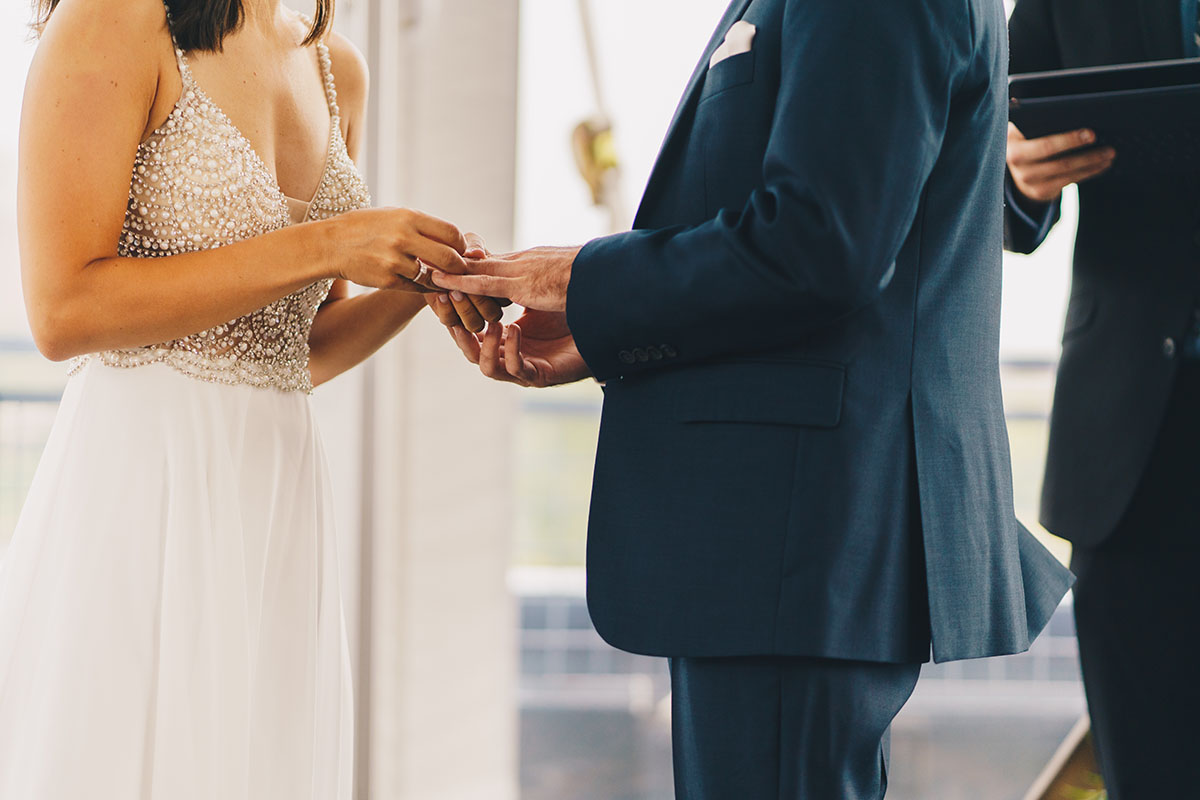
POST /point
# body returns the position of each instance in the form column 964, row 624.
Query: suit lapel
column 732, row 14
column 1163, row 26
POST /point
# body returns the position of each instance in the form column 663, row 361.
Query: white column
column 441, row 652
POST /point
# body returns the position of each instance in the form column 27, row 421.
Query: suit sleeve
column 1033, row 48
column 861, row 113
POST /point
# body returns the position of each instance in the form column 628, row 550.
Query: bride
column 170, row 617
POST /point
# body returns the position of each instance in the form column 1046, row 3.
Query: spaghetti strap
column 180, row 60
column 327, row 74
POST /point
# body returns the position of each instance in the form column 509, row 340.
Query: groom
column 803, row 482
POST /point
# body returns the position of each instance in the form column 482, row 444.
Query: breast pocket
column 733, row 71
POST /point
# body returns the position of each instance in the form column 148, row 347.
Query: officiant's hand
column 1041, row 168
column 536, row 279
column 537, row 350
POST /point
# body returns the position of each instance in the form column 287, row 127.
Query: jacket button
column 626, row 357
column 668, row 351
column 641, row 355
column 1169, row 347
column 655, row 353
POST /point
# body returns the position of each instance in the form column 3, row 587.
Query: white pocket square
column 740, row 39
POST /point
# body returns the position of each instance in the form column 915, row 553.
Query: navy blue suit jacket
column 803, row 448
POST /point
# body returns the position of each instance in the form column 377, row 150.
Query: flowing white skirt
column 170, row 620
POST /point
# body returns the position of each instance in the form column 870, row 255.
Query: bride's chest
column 198, row 183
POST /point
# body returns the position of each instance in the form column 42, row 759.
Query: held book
column 1150, row 113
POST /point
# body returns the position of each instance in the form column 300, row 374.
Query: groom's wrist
column 591, row 317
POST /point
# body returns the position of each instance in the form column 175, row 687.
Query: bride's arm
column 96, row 79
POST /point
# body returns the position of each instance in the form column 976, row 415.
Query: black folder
column 1150, row 113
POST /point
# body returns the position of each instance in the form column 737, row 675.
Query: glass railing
column 30, row 390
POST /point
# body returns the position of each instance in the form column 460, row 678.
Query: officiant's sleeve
column 863, row 103
column 1033, row 48
column 1027, row 223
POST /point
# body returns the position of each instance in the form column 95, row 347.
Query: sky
column 647, row 49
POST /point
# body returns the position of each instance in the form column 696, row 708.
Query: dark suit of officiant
column 803, row 479
column 1123, row 472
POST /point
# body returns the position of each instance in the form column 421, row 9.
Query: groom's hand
column 470, row 311
column 537, row 350
column 537, row 279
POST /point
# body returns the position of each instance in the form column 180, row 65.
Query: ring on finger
column 423, row 275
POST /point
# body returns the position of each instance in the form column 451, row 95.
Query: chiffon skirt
column 170, row 619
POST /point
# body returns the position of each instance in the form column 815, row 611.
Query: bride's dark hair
column 204, row 24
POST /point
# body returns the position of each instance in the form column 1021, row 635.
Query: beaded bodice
column 198, row 184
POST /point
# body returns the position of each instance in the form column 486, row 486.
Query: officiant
column 1124, row 457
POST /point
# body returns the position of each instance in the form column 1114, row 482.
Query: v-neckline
column 195, row 86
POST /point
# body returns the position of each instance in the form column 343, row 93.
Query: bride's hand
column 384, row 248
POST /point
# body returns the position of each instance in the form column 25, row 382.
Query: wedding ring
column 422, row 276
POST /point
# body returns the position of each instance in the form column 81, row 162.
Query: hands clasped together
column 468, row 288
column 537, row 349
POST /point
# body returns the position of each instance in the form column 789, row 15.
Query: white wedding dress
column 170, row 620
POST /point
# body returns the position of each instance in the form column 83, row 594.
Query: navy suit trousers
column 780, row 728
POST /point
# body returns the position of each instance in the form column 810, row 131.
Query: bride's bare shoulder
column 110, row 25
column 103, row 52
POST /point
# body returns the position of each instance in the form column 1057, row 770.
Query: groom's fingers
column 472, row 320
column 466, row 342
column 489, row 352
column 491, row 355
column 509, row 266
column 514, row 361
column 442, row 307
column 488, row 308
column 483, row 285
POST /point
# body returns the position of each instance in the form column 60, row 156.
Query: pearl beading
column 198, row 184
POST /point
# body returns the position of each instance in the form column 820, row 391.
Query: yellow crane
column 592, row 140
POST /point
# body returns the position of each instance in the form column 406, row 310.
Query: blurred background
column 463, row 505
